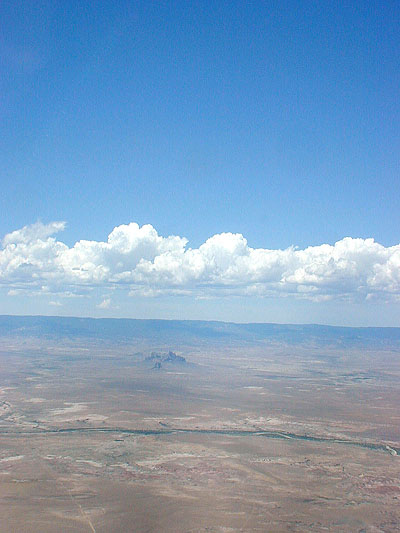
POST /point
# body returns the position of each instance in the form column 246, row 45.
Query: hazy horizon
column 90, row 317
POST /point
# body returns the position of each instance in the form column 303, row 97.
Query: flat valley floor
column 264, row 438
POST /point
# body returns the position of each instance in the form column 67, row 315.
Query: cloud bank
column 144, row 263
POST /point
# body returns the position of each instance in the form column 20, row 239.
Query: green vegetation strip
column 227, row 432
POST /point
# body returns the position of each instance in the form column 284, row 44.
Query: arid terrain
column 97, row 437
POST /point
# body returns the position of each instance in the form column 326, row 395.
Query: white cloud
column 34, row 231
column 12, row 292
column 148, row 264
column 105, row 304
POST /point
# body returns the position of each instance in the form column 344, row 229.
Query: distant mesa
column 173, row 358
column 160, row 358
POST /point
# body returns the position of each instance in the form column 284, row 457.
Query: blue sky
column 278, row 121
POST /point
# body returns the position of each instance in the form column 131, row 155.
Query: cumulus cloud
column 105, row 304
column 148, row 264
column 33, row 232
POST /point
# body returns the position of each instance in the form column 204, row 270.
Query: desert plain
column 96, row 436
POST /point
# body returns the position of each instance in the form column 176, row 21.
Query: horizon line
column 200, row 320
